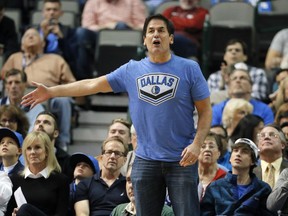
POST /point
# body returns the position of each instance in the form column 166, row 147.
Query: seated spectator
column 240, row 86
column 188, row 20
column 224, row 158
column 208, row 169
column 14, row 118
column 271, row 142
column 104, row 14
column 236, row 52
column 45, row 189
column 101, row 193
column 5, row 191
column 234, row 110
column 15, row 86
column 248, row 127
column 240, row 192
column 282, row 95
column 282, row 114
column 281, row 74
column 277, row 50
column 59, row 38
column 49, row 69
column 277, row 201
column 129, row 209
column 8, row 35
column 83, row 166
column 10, row 150
column 284, row 128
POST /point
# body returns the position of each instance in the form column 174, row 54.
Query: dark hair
column 224, row 130
column 285, row 124
column 53, row 1
column 169, row 25
column 14, row 72
column 51, row 115
column 217, row 139
column 253, row 156
column 236, row 40
column 245, row 127
column 282, row 112
column 14, row 112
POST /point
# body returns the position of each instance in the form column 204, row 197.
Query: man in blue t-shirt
column 164, row 91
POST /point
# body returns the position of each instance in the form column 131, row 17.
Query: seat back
column 15, row 14
column 166, row 4
column 267, row 24
column 116, row 47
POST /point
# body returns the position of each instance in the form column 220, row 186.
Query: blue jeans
column 150, row 179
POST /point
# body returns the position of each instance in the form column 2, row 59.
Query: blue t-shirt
column 161, row 104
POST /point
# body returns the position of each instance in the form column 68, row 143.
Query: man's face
column 157, row 39
column 234, row 54
column 241, row 157
column 46, row 123
column 269, row 142
column 52, row 10
column 31, row 38
column 9, row 148
column 239, row 84
column 113, row 156
column 83, row 170
column 119, row 129
column 15, row 87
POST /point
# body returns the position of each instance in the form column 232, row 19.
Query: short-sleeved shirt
column 102, row 198
column 161, row 104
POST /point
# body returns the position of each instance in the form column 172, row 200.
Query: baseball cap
column 250, row 143
column 81, row 157
column 6, row 132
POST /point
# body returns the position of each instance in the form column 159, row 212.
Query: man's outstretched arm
column 75, row 89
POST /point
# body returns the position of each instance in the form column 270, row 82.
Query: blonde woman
column 234, row 110
column 45, row 189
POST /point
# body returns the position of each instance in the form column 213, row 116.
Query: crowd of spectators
column 245, row 155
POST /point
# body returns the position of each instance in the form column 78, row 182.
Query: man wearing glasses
column 101, row 193
column 271, row 142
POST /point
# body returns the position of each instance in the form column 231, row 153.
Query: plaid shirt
column 259, row 79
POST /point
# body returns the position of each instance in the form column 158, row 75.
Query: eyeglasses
column 5, row 121
column 117, row 154
column 269, row 134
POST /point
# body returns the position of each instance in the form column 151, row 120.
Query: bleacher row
column 226, row 20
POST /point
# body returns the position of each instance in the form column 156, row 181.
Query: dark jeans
column 150, row 180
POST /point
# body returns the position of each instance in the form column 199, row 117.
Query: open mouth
column 156, row 42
